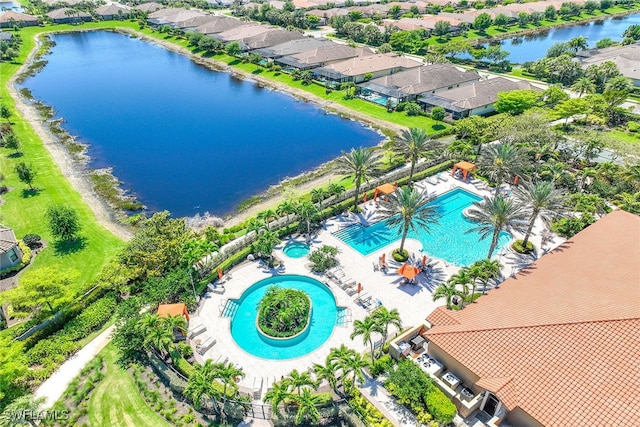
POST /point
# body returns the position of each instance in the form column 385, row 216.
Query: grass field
column 116, row 401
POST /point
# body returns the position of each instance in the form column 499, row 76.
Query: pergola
column 165, row 310
column 465, row 167
column 384, row 189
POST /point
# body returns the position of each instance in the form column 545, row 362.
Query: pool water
column 448, row 239
column 296, row 250
column 243, row 313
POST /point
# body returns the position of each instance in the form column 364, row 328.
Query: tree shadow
column 30, row 192
column 235, row 62
column 15, row 155
column 67, row 247
column 438, row 127
column 258, row 71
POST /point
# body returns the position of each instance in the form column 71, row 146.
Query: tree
column 516, row 101
column 22, row 411
column 278, row 393
column 200, row 386
column 266, row 242
column 307, row 407
column 228, row 373
column 619, row 83
column 385, row 318
column 558, row 49
column 395, row 11
column 569, row 108
column 26, row 174
column 554, row 94
column 590, row 6
column 583, row 85
column 550, row 13
column 482, row 22
column 233, row 49
column 159, row 338
column 441, row 28
column 604, row 43
column 501, row 20
column 408, row 209
column 499, row 162
column 286, row 208
column 413, row 144
column 464, row 279
column 11, row 141
column 542, row 200
column 446, row 290
column 485, row 270
column 363, row 163
column 5, row 112
column 385, row 48
column 297, row 381
column 494, row 215
column 523, row 19
column 328, row 372
column 366, row 328
column 63, row 222
column 578, row 43
column 438, row 114
column 306, row 210
column 255, row 59
column 631, row 34
column 52, row 286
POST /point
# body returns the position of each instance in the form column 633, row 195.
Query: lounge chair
column 442, row 176
column 216, row 288
column 432, row 180
column 205, row 345
column 197, row 331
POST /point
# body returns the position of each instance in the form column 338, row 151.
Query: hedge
column 439, row 405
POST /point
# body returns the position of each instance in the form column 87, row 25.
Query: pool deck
column 414, row 302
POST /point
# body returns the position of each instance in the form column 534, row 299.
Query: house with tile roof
column 10, row 253
column 557, row 343
column 67, row 15
column 293, row 47
column 218, row 25
column 356, row 69
column 322, row 56
column 272, row 37
column 475, row 99
column 627, row 58
column 113, row 11
column 10, row 18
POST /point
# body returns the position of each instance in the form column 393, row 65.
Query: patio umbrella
column 408, row 271
column 220, row 273
column 424, row 261
column 359, row 288
column 382, row 259
column 364, row 198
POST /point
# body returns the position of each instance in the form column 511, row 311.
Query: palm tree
column 306, row 211
column 267, row 216
column 543, row 200
column 628, row 202
column 578, row 43
column 583, row 85
column 363, row 163
column 341, row 357
column 279, row 393
column 446, row 290
column 501, row 161
column 328, row 372
column 307, row 407
column 408, row 209
column 175, row 323
column 385, row 318
column 412, row 145
column 298, row 380
column 160, row 338
column 355, row 364
column 228, row 373
column 200, row 386
column 285, row 209
column 23, row 405
column 366, row 328
column 495, row 214
column 318, row 195
column 464, row 279
column 484, row 270
column 335, row 189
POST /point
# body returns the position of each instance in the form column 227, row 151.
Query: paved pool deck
column 414, row 302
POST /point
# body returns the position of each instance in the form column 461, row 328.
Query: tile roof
column 16, row 16
column 7, row 239
column 627, row 58
column 372, row 63
column 560, row 339
column 427, row 78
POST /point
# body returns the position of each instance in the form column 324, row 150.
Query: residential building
column 242, row 32
column 322, row 56
column 10, row 253
column 293, row 47
column 172, row 16
column 10, row 18
column 627, row 58
column 361, row 68
column 113, row 11
column 219, row 25
column 274, row 36
column 67, row 15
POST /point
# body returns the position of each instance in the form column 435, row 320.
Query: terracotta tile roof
column 441, row 316
column 565, row 331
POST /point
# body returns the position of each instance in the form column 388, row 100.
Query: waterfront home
column 196, row 21
column 242, row 32
column 408, row 85
column 57, row 4
column 272, row 37
column 113, row 11
column 627, row 58
column 172, row 16
column 67, row 15
column 475, row 99
column 322, row 56
column 149, row 7
column 555, row 345
column 293, row 47
column 10, row 253
column 218, row 25
column 326, row 14
column 10, row 18
column 361, row 68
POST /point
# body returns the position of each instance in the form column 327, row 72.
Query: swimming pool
column 243, row 312
column 296, row 249
column 447, row 240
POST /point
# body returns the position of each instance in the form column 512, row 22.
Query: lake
column 180, row 136
column 10, row 5
column 535, row 46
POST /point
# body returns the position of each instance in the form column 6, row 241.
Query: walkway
column 53, row 388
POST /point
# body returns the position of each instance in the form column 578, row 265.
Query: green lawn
column 116, row 401
column 625, row 143
column 24, row 210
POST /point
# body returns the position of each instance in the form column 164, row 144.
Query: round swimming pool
column 323, row 319
column 296, row 249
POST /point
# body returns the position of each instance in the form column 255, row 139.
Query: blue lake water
column 10, row 5
column 534, row 47
column 180, row 136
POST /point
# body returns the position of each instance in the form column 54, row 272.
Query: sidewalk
column 53, row 388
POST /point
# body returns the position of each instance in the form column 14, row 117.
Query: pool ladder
column 227, row 308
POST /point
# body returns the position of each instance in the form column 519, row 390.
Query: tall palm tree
column 464, row 279
column 341, row 356
column 543, row 200
column 413, row 144
column 362, row 163
column 298, row 380
column 385, row 318
column 306, row 211
column 485, row 270
column 409, row 209
column 160, row 338
column 495, row 214
column 502, row 161
column 355, row 364
column 26, row 405
column 583, row 85
column 366, row 328
column 307, row 407
column 328, row 372
column 285, row 209
column 446, row 290
column 200, row 386
column 175, row 323
column 267, row 216
column 278, row 393
column 227, row 373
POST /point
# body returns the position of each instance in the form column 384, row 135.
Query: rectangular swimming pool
column 448, row 239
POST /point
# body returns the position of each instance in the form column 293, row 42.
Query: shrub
column 438, row 405
column 400, row 256
column 633, row 126
column 324, row 258
column 32, row 240
column 283, row 312
column 381, row 365
column 518, row 247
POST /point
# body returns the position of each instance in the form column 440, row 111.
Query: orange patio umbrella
column 359, row 288
column 408, row 271
column 364, row 198
column 382, row 258
column 220, row 274
column 424, row 261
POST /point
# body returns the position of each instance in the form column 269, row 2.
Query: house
column 171, row 16
column 556, row 344
column 5, row 36
column 408, row 85
column 272, row 37
column 293, row 47
column 61, row 3
column 149, row 7
column 627, row 58
column 242, row 32
column 66, row 15
column 113, row 11
column 361, row 68
column 474, row 99
column 219, row 25
column 197, row 21
column 321, row 56
column 10, row 253
column 10, row 18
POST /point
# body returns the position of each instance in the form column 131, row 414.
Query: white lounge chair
column 197, row 330
column 432, row 180
column 216, row 288
column 442, row 176
column 205, row 345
